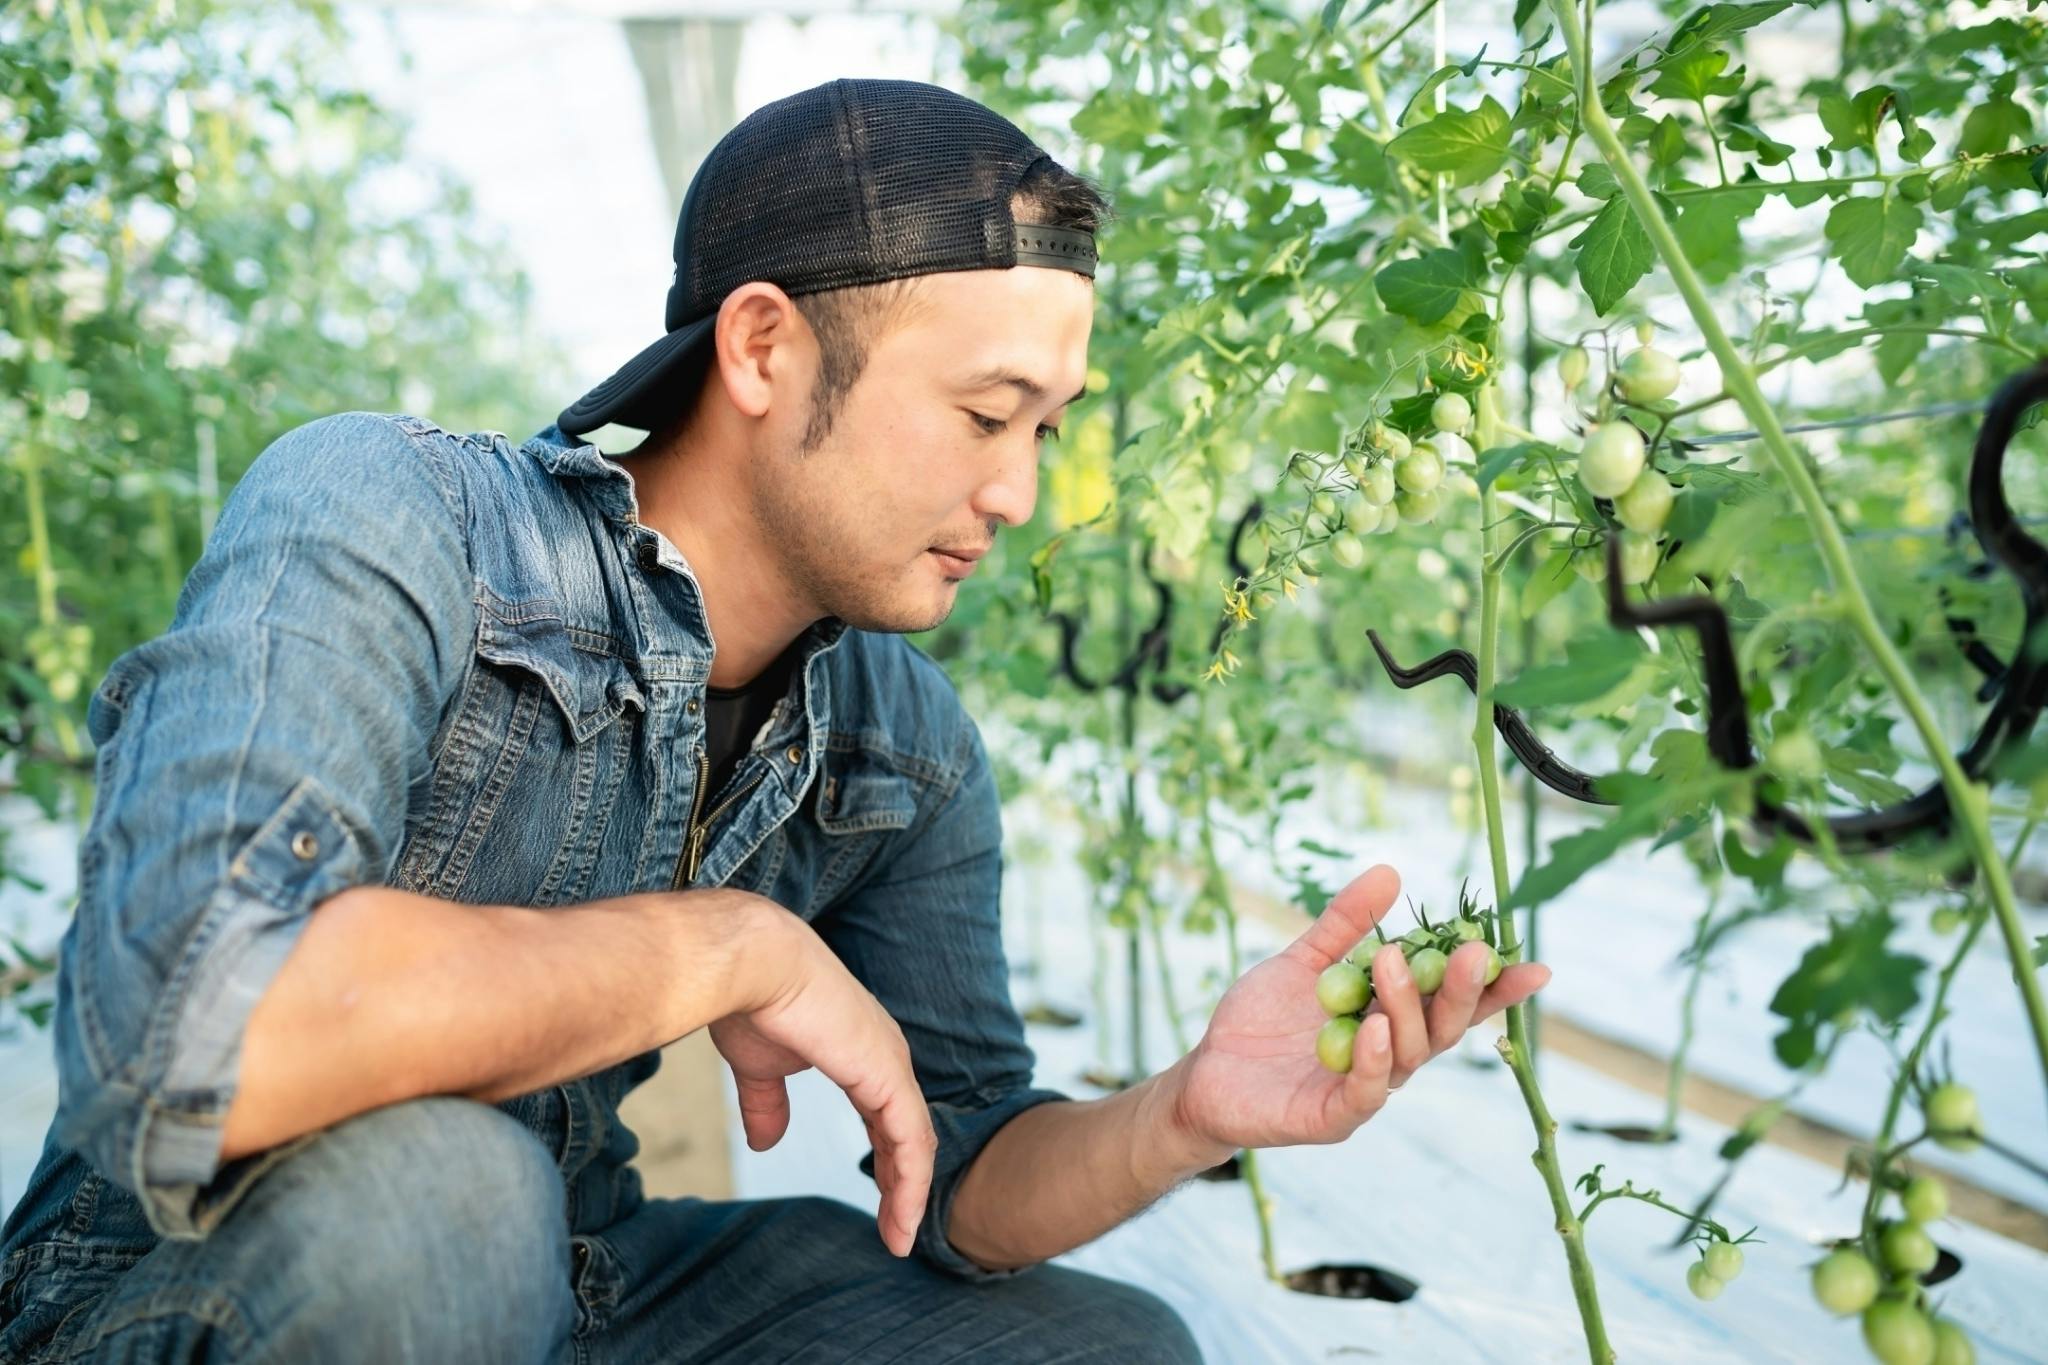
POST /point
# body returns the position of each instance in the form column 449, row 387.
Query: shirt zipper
column 693, row 842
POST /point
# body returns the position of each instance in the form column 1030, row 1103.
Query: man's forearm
column 388, row 996
column 1063, row 1173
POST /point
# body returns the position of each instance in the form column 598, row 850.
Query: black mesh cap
column 851, row 182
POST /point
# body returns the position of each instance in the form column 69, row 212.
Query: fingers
column 1394, row 988
column 1372, row 1068
column 1354, row 910
column 764, row 1111
column 899, row 1124
column 1515, row 984
column 1450, row 1009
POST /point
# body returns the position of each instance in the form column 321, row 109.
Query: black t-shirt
column 734, row 715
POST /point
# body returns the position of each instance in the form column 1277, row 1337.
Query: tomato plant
column 1556, row 304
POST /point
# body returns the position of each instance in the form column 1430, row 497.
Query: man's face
column 933, row 448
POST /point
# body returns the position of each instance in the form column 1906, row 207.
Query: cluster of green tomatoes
column 1719, row 1263
column 1614, row 460
column 1398, row 480
column 1898, row 1327
column 1345, row 989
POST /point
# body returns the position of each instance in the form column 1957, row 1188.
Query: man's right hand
column 805, row 1009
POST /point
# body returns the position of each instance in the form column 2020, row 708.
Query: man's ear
column 761, row 344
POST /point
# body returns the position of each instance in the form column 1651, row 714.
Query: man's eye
column 996, row 426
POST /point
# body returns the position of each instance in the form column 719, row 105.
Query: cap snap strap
column 1067, row 248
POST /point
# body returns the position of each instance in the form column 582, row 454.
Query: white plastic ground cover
column 1438, row 1188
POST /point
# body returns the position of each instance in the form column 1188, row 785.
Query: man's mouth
column 957, row 563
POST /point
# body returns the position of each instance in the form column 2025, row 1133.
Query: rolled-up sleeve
column 253, row 760
column 925, row 937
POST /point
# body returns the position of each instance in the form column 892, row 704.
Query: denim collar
column 611, row 488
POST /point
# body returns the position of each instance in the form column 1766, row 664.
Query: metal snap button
column 794, row 754
column 691, row 706
column 305, row 846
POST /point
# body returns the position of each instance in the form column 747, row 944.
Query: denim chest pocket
column 528, row 766
column 861, row 805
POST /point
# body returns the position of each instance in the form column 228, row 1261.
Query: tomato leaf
column 1713, row 23
column 1465, row 146
column 1593, row 666
column 1614, row 253
column 1575, row 854
column 1872, row 235
column 1692, row 73
column 1854, row 970
column 1424, row 287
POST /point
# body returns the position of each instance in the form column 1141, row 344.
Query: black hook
column 1154, row 646
column 2018, row 689
column 1552, row 771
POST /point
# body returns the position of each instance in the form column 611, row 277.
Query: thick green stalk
column 1966, row 801
column 1516, row 1049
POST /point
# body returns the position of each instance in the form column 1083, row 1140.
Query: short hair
column 848, row 322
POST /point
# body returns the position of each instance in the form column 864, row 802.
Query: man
column 467, row 776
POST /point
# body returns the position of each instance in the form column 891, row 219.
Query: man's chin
column 904, row 617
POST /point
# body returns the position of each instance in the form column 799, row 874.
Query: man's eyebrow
column 1024, row 384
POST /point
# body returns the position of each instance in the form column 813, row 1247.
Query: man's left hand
column 1254, row 1081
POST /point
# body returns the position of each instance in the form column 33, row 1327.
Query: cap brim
column 648, row 389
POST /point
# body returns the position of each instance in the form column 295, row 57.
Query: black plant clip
column 1154, row 647
column 2018, row 689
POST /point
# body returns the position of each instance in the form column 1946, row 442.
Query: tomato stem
column 1966, row 800
column 1517, row 1049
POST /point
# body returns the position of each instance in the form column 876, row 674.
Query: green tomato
column 1325, row 506
column 1450, row 412
column 1572, row 365
column 1355, row 466
column 1647, row 375
column 1362, row 956
column 1428, row 967
column 1646, row 504
column 1952, row 1344
column 1906, row 1249
column 1493, row 965
column 1925, row 1199
column 1945, row 920
column 1952, row 1114
column 1590, row 565
column 1347, row 549
column 1723, row 1260
column 1378, row 484
column 1421, row 471
column 1342, row 989
column 1611, row 458
column 1419, row 507
column 1415, row 940
column 1364, row 518
column 1467, row 929
column 1796, row 754
column 1898, row 1333
column 1845, row 1282
column 1638, row 557
column 1703, row 1283
column 1386, row 439
column 1390, row 520
column 1333, row 1044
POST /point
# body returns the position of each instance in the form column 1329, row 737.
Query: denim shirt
column 463, row 668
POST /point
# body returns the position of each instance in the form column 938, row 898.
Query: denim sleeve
column 925, row 936
column 252, row 761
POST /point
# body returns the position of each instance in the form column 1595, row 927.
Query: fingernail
column 1378, row 1041
column 1477, row 971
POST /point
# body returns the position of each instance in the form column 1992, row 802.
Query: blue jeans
column 434, row 1230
